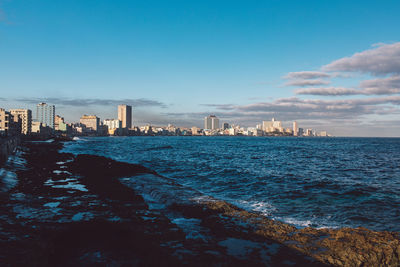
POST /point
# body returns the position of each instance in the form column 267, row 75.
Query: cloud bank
column 82, row 102
column 381, row 60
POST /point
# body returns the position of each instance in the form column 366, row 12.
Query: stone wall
column 7, row 147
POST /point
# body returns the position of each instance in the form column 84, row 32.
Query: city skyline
column 179, row 62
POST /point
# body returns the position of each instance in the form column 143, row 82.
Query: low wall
column 7, row 147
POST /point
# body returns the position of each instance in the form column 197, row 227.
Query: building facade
column 295, row 129
column 4, row 121
column 46, row 114
column 125, row 115
column 113, row 123
column 91, row 122
column 272, row 126
column 211, row 122
column 25, row 116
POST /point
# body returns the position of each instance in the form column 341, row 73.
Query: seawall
column 7, row 147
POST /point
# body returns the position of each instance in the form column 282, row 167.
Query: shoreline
column 94, row 200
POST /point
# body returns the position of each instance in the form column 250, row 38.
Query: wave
column 158, row 148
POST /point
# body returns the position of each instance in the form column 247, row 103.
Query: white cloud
column 329, row 91
column 306, row 82
column 382, row 86
column 380, row 60
column 307, row 75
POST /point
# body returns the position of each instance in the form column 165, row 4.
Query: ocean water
column 318, row 182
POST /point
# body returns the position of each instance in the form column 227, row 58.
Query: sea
column 307, row 182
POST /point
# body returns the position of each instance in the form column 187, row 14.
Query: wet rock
column 339, row 247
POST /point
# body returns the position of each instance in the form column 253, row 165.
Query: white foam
column 263, row 207
column 297, row 222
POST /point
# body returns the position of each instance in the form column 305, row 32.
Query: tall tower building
column 26, row 119
column 295, row 128
column 125, row 115
column 211, row 122
column 46, row 114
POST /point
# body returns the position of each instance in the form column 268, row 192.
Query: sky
column 329, row 65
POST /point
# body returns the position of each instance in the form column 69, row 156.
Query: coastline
column 79, row 212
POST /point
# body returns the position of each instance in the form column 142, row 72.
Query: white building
column 112, row 124
column 272, row 126
column 295, row 128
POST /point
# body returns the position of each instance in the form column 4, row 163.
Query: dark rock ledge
column 73, row 211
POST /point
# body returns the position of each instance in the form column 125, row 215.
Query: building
column 272, row 126
column 57, row 122
column 25, row 115
column 9, row 125
column 114, row 126
column 46, row 114
column 295, row 128
column 267, row 126
column 125, row 116
column 60, row 125
column 91, row 122
column 195, row 131
column 225, row 125
column 113, row 123
column 5, row 117
column 309, row 132
column 211, row 122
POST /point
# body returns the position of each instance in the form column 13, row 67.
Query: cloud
column 305, row 82
column 380, row 60
column 382, row 86
column 329, row 91
column 306, row 75
column 82, row 102
column 219, row 106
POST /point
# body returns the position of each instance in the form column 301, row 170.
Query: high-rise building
column 295, row 128
column 46, row 114
column 25, row 115
column 211, row 122
column 125, row 115
column 225, row 125
column 92, row 122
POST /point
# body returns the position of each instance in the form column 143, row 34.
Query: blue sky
column 179, row 60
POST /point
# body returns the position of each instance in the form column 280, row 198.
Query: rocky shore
column 7, row 147
column 58, row 209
